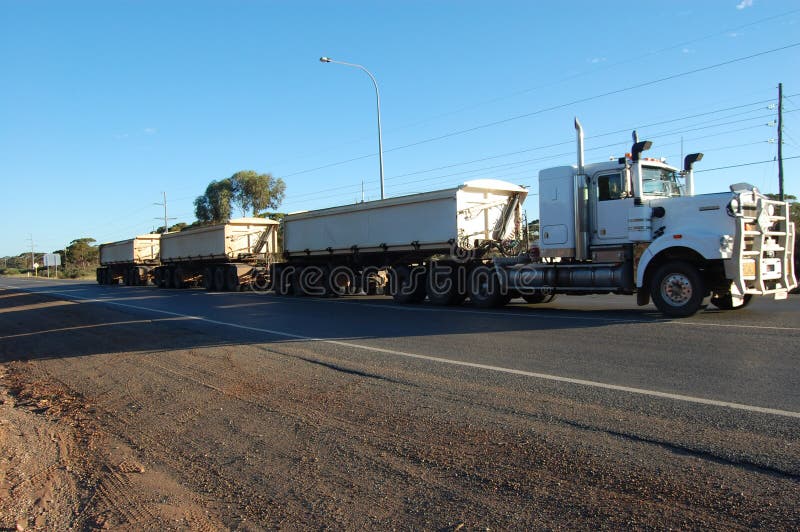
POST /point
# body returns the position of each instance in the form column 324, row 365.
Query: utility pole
column 166, row 227
column 780, row 141
column 33, row 259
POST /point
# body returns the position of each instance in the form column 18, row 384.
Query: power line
column 579, row 75
column 515, row 171
column 538, row 148
column 744, row 164
column 556, row 107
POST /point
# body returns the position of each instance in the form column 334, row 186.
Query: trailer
column 219, row 257
column 361, row 247
column 130, row 261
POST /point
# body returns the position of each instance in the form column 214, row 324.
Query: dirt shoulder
column 62, row 471
column 115, row 421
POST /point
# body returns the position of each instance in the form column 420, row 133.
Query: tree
column 253, row 192
column 82, row 254
column 533, row 230
column 249, row 191
column 215, row 205
column 172, row 228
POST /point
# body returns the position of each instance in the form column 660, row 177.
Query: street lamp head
column 324, row 59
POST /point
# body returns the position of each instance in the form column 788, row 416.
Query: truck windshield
column 660, row 182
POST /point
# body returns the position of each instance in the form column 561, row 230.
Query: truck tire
column 407, row 286
column 485, row 290
column 178, row 278
column 339, row 281
column 443, row 287
column 280, row 281
column 166, row 277
column 135, row 276
column 677, row 289
column 724, row 302
column 208, row 279
column 219, row 278
column 158, row 277
column 538, row 297
column 231, row 278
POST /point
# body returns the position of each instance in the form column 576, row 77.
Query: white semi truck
column 632, row 225
column 129, row 261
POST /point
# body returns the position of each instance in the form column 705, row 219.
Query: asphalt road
column 355, row 412
column 748, row 357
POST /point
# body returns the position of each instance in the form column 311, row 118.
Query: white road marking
column 511, row 371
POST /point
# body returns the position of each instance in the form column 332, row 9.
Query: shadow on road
column 36, row 326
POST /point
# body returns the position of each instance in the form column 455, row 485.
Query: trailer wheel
column 208, row 279
column 178, row 280
column 219, row 278
column 442, row 285
column 167, row 277
column 339, row 281
column 158, row 277
column 407, row 285
column 280, row 281
column 677, row 289
column 725, row 302
column 485, row 290
column 99, row 275
column 231, row 278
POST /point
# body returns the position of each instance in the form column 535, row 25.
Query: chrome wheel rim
column 676, row 289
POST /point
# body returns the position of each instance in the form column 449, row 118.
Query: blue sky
column 107, row 104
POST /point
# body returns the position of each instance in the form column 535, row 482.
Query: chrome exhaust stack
column 581, row 195
column 688, row 171
column 636, row 152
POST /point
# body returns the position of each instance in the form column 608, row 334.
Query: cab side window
column 609, row 187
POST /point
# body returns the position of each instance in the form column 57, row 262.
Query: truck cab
column 683, row 250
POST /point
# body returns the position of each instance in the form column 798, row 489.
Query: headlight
column 726, row 243
column 771, row 209
column 733, row 207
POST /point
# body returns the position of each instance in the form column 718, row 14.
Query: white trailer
column 347, row 248
column 221, row 256
column 128, row 260
column 432, row 222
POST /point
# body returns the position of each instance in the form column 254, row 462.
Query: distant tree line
column 247, row 193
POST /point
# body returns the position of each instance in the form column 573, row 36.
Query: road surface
column 249, row 410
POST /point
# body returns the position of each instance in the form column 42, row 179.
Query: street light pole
column 378, row 99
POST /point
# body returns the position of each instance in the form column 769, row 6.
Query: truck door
column 610, row 204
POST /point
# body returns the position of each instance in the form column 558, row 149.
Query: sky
column 106, row 105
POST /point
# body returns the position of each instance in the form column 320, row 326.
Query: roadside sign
column 52, row 259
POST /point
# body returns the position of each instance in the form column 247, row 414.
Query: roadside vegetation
column 246, row 193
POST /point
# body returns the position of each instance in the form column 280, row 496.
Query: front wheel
column 677, row 289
